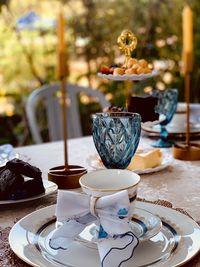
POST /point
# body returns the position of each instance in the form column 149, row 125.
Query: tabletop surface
column 179, row 183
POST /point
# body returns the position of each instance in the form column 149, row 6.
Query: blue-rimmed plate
column 174, row 245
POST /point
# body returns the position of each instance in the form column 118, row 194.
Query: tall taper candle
column 61, row 32
column 62, row 73
column 187, row 38
column 187, row 62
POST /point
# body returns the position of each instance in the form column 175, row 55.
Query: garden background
column 28, row 43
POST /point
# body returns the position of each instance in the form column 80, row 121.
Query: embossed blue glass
column 167, row 104
column 116, row 137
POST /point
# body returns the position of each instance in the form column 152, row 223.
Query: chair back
column 49, row 96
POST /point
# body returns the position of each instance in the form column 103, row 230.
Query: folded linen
column 116, row 241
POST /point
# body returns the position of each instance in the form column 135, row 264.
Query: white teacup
column 105, row 182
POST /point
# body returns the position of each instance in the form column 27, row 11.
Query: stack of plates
column 178, row 130
column 167, row 238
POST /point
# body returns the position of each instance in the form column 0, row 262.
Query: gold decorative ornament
column 127, row 42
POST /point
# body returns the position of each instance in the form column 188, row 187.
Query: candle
column 62, row 56
column 61, row 32
column 187, row 38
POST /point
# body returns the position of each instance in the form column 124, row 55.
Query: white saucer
column 49, row 186
column 174, row 245
column 95, row 163
column 144, row 225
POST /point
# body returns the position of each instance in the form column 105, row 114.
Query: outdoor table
column 178, row 184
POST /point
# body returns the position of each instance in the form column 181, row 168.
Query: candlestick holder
column 65, row 176
column 187, row 150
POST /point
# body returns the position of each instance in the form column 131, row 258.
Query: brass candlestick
column 188, row 150
column 127, row 42
column 65, row 176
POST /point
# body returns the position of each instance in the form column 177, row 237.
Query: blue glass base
column 162, row 143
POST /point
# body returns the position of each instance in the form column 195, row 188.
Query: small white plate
column 131, row 77
column 49, row 186
column 174, row 245
column 161, row 118
column 95, row 163
column 144, row 225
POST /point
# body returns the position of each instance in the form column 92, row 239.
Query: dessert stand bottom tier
column 175, row 244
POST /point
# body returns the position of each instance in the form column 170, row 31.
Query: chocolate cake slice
column 145, row 106
column 9, row 182
column 29, row 188
column 24, row 168
column 13, row 186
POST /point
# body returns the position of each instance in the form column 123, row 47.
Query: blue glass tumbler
column 116, row 137
column 167, row 104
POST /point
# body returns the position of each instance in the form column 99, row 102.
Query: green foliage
column 28, row 58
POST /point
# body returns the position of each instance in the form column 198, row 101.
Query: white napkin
column 116, row 241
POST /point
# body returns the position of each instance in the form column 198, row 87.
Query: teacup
column 105, row 182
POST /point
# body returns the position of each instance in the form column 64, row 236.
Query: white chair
column 49, row 96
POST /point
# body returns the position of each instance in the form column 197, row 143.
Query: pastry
column 115, row 109
column 140, row 70
column 143, row 63
column 131, row 62
column 118, row 71
column 134, row 66
column 145, row 159
column 130, row 71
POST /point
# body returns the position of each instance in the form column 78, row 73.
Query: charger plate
column 49, row 186
column 174, row 245
column 95, row 163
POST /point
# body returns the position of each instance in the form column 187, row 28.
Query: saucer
column 95, row 163
column 144, row 225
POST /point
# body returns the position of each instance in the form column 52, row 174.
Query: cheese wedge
column 145, row 159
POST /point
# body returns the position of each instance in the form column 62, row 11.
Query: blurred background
column 28, row 42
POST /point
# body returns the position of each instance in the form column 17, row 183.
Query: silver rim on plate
column 174, row 245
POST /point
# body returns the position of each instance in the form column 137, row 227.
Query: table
column 178, row 184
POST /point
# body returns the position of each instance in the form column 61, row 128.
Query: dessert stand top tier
column 127, row 42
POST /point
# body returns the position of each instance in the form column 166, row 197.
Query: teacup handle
column 93, row 201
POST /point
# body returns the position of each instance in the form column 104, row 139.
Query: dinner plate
column 95, row 163
column 132, row 77
column 174, row 245
column 171, row 130
column 144, row 224
column 49, row 186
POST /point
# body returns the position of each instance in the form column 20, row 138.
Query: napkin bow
column 116, row 241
